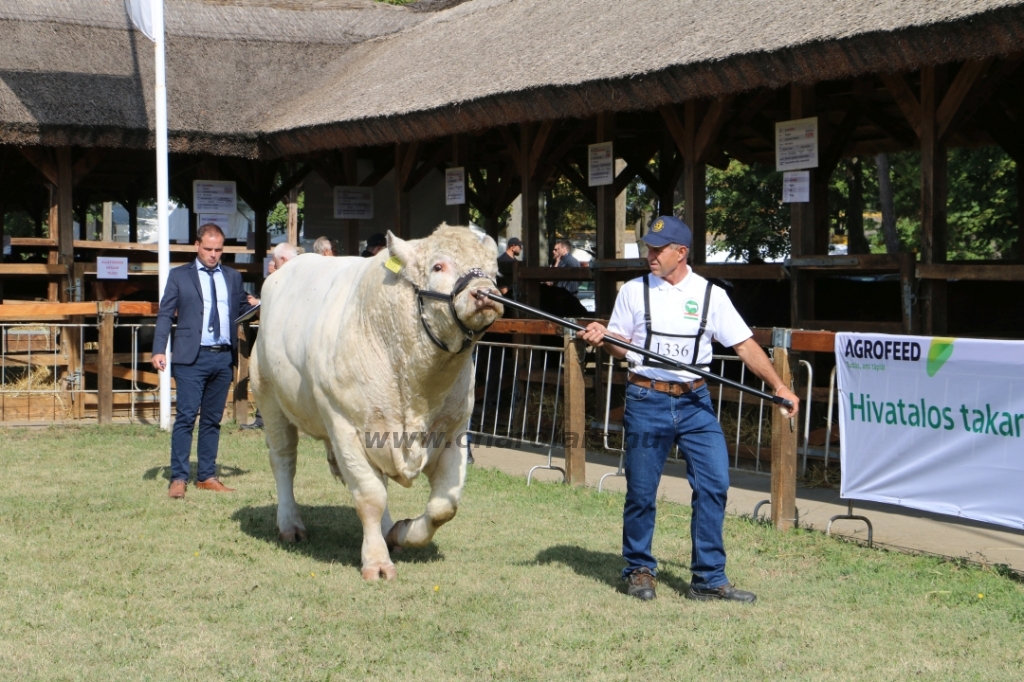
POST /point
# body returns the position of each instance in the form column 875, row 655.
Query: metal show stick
column 637, row 349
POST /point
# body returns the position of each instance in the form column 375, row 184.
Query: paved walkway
column 893, row 526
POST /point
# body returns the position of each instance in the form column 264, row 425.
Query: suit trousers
column 202, row 391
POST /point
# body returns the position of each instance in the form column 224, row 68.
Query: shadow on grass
column 164, row 472
column 335, row 535
column 603, row 567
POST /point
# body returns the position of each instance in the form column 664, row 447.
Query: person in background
column 513, row 248
column 675, row 312
column 205, row 297
column 564, row 259
column 323, row 246
column 375, row 243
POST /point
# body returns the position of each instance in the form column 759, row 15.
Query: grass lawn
column 103, row 577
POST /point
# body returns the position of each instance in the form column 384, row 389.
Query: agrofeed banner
column 934, row 424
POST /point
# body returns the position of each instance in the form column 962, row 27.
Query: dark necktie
column 214, row 312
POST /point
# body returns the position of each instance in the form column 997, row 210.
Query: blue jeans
column 202, row 390
column 653, row 422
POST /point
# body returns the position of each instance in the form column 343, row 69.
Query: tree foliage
column 745, row 212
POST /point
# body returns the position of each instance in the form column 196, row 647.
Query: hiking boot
column 641, row 584
column 725, row 592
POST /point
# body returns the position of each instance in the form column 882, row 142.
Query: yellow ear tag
column 394, row 265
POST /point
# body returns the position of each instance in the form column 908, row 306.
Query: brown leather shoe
column 214, row 485
column 177, row 490
column 641, row 584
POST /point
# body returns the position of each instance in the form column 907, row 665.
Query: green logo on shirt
column 690, row 308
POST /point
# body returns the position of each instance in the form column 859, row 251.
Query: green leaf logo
column 940, row 351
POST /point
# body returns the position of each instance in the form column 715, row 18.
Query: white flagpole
column 162, row 198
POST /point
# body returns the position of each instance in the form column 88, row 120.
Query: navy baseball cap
column 667, row 229
column 514, row 241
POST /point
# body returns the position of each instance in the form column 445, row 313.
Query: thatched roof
column 268, row 77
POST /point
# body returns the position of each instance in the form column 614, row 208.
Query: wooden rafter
column 717, row 116
column 905, row 98
column 42, row 160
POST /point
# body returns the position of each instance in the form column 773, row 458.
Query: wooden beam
column 86, row 163
column 575, row 421
column 513, row 149
column 1010, row 272
column 674, row 126
column 549, row 163
column 540, row 145
column 350, row 166
column 1002, row 129
column 439, row 157
column 42, row 160
column 934, row 196
column 289, row 183
column 379, row 171
column 951, row 109
column 64, row 223
column 905, row 98
column 695, row 183
column 714, row 120
column 604, row 287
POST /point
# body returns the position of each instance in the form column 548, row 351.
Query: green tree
column 277, row 219
column 745, row 212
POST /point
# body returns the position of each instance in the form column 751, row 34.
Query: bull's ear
column 400, row 250
column 491, row 246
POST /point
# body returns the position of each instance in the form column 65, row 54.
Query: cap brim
column 655, row 239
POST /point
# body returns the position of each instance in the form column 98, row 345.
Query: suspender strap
column 646, row 314
column 703, row 323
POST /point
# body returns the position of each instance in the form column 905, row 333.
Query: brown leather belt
column 673, row 388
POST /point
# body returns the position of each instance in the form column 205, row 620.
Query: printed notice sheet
column 601, row 166
column 214, row 196
column 796, row 144
column 353, row 203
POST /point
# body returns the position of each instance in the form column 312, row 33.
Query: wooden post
column 801, row 234
column 530, row 193
column 604, row 286
column 241, row 389
column 933, row 200
column 132, row 206
column 694, row 185
column 666, row 164
column 403, row 166
column 106, row 312
column 351, row 171
column 3, row 212
column 1020, row 213
column 459, row 213
column 64, row 219
column 783, row 485
column 574, row 424
column 293, row 216
column 908, row 300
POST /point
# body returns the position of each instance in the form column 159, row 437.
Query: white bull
column 344, row 356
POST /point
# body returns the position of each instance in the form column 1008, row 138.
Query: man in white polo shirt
column 676, row 313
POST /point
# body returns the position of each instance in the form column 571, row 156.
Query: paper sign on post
column 353, row 203
column 219, row 219
column 214, row 196
column 601, row 164
column 796, row 144
column 455, row 186
column 111, row 267
column 796, row 187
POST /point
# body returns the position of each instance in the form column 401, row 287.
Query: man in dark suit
column 207, row 297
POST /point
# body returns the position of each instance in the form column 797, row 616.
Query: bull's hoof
column 294, row 535
column 377, row 571
column 392, row 538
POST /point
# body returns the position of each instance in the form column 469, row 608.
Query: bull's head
column 449, row 265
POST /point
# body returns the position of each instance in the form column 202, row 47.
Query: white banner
column 934, row 424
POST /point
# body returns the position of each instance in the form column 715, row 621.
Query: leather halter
column 460, row 284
